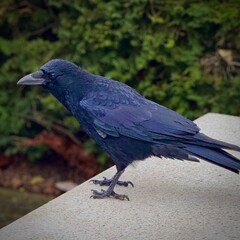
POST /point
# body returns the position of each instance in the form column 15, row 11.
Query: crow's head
column 62, row 78
column 55, row 73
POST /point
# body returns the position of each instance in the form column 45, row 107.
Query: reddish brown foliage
column 73, row 153
column 5, row 161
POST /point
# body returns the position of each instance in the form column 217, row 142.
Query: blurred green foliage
column 182, row 54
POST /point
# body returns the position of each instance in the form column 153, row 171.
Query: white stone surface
column 171, row 200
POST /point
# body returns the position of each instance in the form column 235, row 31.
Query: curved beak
column 35, row 78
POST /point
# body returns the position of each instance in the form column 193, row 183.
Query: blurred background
column 182, row 54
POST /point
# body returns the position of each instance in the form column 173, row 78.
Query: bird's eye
column 52, row 76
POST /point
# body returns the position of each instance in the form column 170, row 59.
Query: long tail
column 203, row 140
column 201, row 146
column 216, row 156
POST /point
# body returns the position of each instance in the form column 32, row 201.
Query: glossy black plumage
column 125, row 124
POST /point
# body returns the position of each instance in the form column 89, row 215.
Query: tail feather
column 203, row 140
column 216, row 156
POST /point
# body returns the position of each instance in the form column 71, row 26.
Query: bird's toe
column 103, row 194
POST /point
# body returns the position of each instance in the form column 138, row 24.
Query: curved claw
column 120, row 196
column 125, row 183
column 129, row 182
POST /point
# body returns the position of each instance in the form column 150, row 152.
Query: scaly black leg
column 110, row 191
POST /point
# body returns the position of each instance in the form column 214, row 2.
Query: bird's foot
column 107, row 182
column 107, row 193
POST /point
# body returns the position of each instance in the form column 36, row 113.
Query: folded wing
column 147, row 122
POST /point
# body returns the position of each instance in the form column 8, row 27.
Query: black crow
column 126, row 125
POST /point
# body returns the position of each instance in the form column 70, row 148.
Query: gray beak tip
column 20, row 82
column 35, row 78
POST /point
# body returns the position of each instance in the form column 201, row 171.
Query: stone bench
column 171, row 200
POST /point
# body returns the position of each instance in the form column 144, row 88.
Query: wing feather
column 148, row 122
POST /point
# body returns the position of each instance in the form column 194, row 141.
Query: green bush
column 181, row 54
